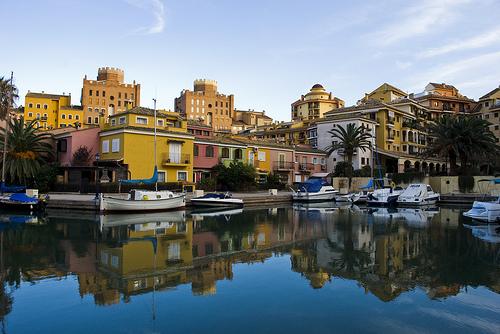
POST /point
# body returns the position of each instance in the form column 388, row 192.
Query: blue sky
column 265, row 52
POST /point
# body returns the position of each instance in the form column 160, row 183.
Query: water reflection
column 388, row 252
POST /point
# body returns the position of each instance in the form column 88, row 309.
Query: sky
column 265, row 52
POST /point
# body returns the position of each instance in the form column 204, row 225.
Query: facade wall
column 76, row 139
column 315, row 104
column 45, row 109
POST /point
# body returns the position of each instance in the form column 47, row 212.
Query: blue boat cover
column 496, row 181
column 11, row 189
column 151, row 180
column 313, row 185
column 23, row 198
column 368, row 185
column 220, row 196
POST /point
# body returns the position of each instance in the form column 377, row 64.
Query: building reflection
column 386, row 252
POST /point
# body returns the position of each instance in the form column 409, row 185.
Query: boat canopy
column 212, row 195
column 151, row 180
column 313, row 185
column 22, row 198
column 11, row 189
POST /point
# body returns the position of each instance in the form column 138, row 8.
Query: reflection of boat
column 489, row 233
column 418, row 194
column 417, row 217
column 348, row 198
column 18, row 219
column 216, row 200
column 216, row 212
column 314, row 190
column 143, row 200
column 133, row 219
column 323, row 207
column 484, row 211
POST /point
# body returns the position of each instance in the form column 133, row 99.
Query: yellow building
column 289, row 133
column 128, row 138
column 488, row 108
column 51, row 111
column 314, row 104
column 384, row 93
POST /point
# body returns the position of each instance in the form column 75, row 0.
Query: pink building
column 307, row 162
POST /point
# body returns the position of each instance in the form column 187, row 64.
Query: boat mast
column 156, row 181
column 7, row 123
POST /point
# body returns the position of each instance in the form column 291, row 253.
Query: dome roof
column 318, row 86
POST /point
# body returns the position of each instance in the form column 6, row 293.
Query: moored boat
column 484, row 211
column 384, row 196
column 216, row 200
column 418, row 194
column 143, row 200
column 23, row 202
column 314, row 189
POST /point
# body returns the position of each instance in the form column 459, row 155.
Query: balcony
column 306, row 167
column 390, row 121
column 176, row 159
column 283, row 165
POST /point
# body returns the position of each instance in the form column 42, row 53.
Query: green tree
column 26, row 152
column 237, row 176
column 82, row 156
column 349, row 139
column 462, row 138
column 8, row 96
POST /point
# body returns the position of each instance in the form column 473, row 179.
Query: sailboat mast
column 7, row 123
column 156, row 181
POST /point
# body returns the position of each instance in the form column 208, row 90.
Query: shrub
column 408, row 177
column 207, row 184
column 341, row 169
column 236, row 177
column 82, row 156
column 45, row 178
column 366, row 171
column 273, row 182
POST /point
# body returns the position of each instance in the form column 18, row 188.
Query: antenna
column 154, row 100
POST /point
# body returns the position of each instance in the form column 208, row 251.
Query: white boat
column 418, row 194
column 348, row 198
column 143, row 200
column 216, row 200
column 384, row 196
column 484, row 211
column 314, row 190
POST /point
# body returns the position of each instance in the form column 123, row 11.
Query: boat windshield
column 313, row 185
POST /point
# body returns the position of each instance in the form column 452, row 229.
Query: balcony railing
column 283, row 165
column 176, row 158
column 306, row 167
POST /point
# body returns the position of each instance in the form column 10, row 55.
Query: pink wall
column 201, row 161
column 84, row 137
column 313, row 168
column 275, row 153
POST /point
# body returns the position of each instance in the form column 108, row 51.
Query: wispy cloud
column 420, row 19
column 157, row 9
column 479, row 41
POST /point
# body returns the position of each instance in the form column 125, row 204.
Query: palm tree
column 461, row 138
column 349, row 139
column 8, row 95
column 27, row 150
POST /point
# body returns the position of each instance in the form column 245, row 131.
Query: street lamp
column 97, row 156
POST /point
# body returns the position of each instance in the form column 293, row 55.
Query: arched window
column 209, row 151
column 225, row 153
column 238, row 154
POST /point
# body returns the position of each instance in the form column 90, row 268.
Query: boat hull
column 111, row 204
column 484, row 211
column 431, row 200
column 213, row 202
column 313, row 197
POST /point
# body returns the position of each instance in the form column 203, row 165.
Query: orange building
column 314, row 104
column 207, row 105
column 440, row 97
column 107, row 95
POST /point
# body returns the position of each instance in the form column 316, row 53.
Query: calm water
column 272, row 270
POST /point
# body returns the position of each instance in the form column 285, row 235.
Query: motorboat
column 418, row 194
column 386, row 196
column 484, row 211
column 23, row 202
column 143, row 200
column 348, row 198
column 216, row 200
column 314, row 190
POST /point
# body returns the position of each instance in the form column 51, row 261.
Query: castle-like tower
column 207, row 105
column 107, row 95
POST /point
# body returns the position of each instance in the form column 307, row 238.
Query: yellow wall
column 51, row 113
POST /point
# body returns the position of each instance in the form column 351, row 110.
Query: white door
column 298, row 178
column 174, row 150
column 250, row 158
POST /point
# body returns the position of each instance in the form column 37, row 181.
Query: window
column 89, row 109
column 115, row 145
column 103, row 93
column 209, row 152
column 261, row 156
column 30, row 114
column 125, row 95
column 161, row 177
column 96, row 110
column 362, row 160
column 496, row 127
column 30, row 105
column 141, row 120
column 160, row 122
column 45, row 106
column 96, row 93
column 96, row 120
column 103, row 111
column 225, row 153
column 182, row 176
column 38, row 105
column 77, row 117
column 496, row 114
column 113, row 121
column 105, row 146
column 121, row 120
column 315, row 160
column 89, row 120
column 119, row 103
column 90, row 92
column 70, row 116
column 37, row 115
column 323, row 161
column 238, row 154
column 195, row 150
column 45, row 115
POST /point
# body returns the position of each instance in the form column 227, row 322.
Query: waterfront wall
column 441, row 184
